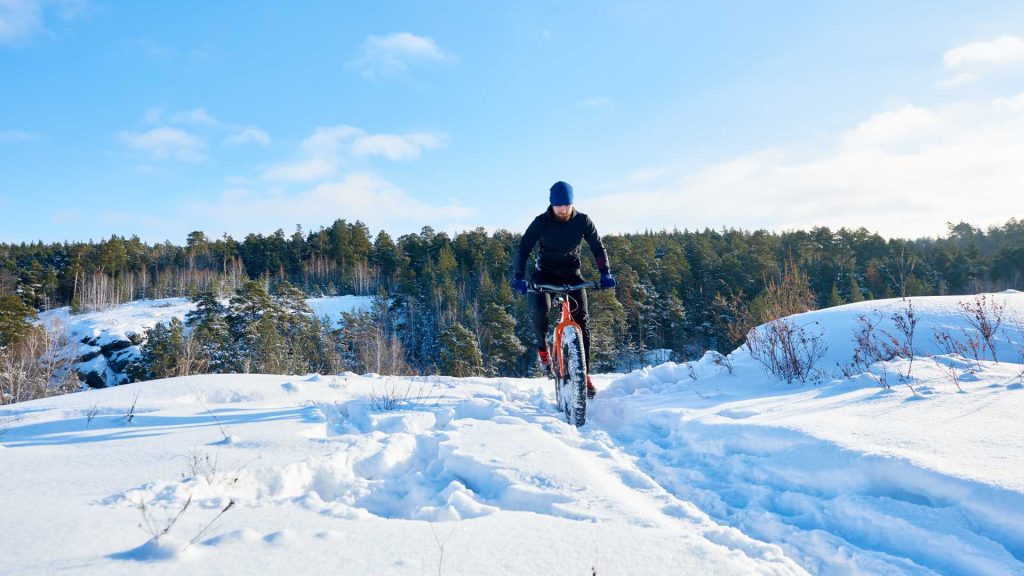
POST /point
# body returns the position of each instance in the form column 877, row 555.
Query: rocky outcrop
column 92, row 375
column 105, row 360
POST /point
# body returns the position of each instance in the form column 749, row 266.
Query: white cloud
column 958, row 80
column 304, row 171
column 248, row 135
column 893, row 126
column 194, row 117
column 962, row 162
column 21, row 19
column 393, row 54
column 972, row 61
column 328, row 146
column 1013, row 104
column 998, row 51
column 17, row 136
column 327, row 140
column 393, row 146
column 166, row 143
column 376, row 202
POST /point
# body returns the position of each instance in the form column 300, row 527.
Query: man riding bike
column 559, row 231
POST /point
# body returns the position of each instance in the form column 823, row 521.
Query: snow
column 333, row 306
column 114, row 324
column 711, row 467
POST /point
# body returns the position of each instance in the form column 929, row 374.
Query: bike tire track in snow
column 474, row 452
column 834, row 510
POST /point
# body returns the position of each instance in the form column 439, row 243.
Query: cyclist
column 559, row 231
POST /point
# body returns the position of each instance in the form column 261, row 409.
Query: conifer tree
column 460, row 355
column 208, row 323
column 834, row 298
column 266, row 347
column 500, row 346
column 165, row 345
column 855, row 294
column 15, row 318
column 250, row 303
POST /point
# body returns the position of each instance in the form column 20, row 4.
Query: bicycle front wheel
column 573, row 383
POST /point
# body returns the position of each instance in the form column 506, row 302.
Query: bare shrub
column 975, row 347
column 36, row 366
column 200, row 465
column 91, row 414
column 441, row 543
column 789, row 295
column 722, row 360
column 952, row 348
column 382, row 353
column 392, row 397
column 985, row 315
column 202, row 532
column 875, row 345
column 192, row 358
column 906, row 324
column 869, row 348
column 786, row 349
column 158, row 528
column 129, row 416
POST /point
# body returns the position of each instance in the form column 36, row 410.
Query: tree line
column 444, row 306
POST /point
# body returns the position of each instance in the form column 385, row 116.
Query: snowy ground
column 681, row 469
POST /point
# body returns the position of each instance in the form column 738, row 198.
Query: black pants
column 577, row 304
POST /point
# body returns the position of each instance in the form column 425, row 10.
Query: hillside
column 709, row 467
column 103, row 343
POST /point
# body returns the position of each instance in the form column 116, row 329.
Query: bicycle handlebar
column 553, row 288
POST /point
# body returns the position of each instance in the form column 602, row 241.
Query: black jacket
column 559, row 253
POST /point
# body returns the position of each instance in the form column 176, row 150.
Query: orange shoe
column 545, row 360
column 591, row 391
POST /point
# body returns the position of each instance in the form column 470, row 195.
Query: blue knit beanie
column 561, row 194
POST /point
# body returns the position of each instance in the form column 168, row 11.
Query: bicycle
column 569, row 360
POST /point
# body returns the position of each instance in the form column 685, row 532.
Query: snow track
column 834, row 510
column 487, row 460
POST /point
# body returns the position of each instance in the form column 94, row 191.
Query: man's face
column 562, row 212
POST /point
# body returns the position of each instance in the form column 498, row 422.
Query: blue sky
column 157, row 119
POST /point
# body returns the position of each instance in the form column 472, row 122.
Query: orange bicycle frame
column 564, row 322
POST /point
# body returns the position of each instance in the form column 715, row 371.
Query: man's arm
column 596, row 246
column 529, row 240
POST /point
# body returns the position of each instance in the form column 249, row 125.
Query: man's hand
column 607, row 281
column 519, row 284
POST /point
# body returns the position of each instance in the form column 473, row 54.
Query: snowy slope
column 104, row 342
column 681, row 469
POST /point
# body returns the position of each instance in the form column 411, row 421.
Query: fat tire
column 573, row 382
